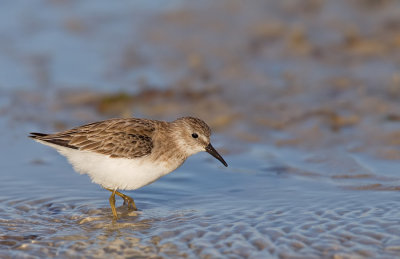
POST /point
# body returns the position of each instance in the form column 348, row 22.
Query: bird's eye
column 194, row 135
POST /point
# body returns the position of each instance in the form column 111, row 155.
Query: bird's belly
column 117, row 173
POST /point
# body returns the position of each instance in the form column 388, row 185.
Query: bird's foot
column 129, row 201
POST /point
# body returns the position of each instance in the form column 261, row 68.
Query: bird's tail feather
column 35, row 135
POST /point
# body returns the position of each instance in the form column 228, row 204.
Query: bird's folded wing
column 118, row 138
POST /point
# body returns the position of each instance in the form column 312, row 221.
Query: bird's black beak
column 211, row 150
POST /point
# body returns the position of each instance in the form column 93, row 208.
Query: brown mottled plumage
column 118, row 138
column 130, row 153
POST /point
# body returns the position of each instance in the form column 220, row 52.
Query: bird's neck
column 168, row 147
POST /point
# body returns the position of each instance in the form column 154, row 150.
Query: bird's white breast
column 116, row 173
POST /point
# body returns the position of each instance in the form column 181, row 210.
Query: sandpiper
column 126, row 154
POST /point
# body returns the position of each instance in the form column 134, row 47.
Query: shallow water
column 303, row 101
column 251, row 209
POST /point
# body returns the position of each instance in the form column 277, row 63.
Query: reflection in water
column 202, row 211
column 308, row 225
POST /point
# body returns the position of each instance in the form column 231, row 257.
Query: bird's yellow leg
column 112, row 204
column 127, row 200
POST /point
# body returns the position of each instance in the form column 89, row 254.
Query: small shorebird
column 126, row 154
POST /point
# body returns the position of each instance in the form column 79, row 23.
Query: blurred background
column 302, row 96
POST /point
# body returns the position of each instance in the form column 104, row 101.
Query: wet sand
column 303, row 98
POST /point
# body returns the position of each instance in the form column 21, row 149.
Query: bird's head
column 193, row 136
